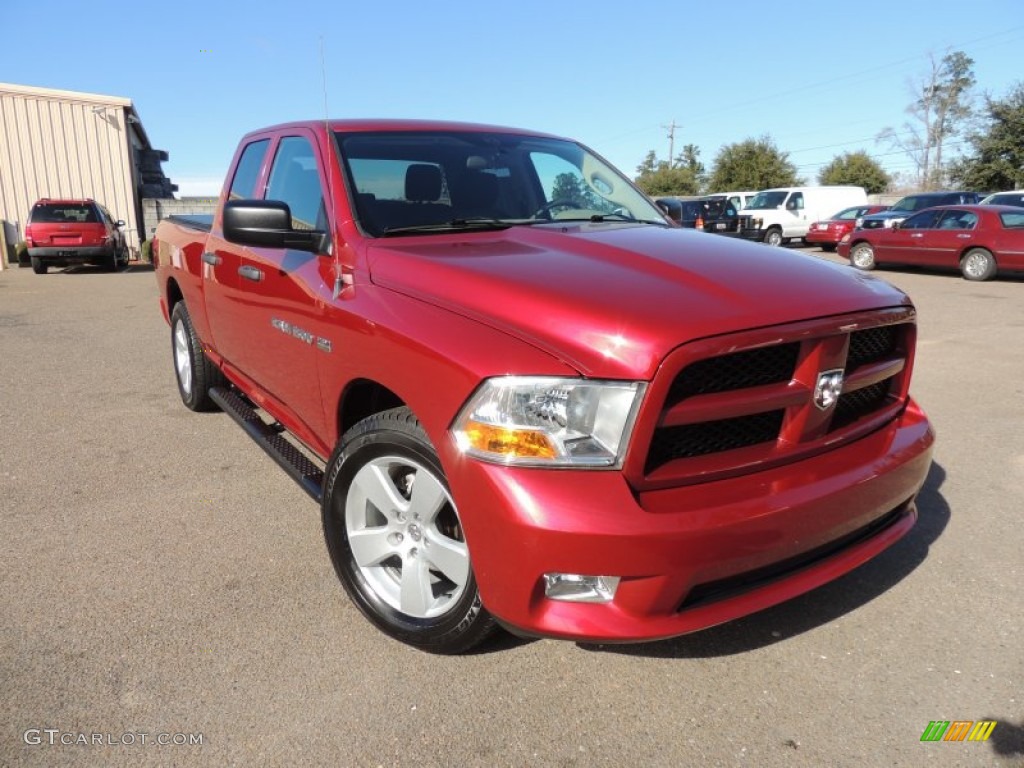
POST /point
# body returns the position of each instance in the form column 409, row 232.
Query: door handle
column 251, row 273
column 212, row 259
column 964, row 237
column 917, row 234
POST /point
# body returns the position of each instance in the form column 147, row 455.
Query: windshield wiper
column 455, row 225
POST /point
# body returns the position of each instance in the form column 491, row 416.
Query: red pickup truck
column 523, row 397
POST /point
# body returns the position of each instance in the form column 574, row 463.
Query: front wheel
column 978, row 264
column 773, row 237
column 395, row 537
column 862, row 256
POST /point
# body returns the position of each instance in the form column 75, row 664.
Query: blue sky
column 819, row 78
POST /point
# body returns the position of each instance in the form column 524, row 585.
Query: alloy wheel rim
column 975, row 265
column 406, row 538
column 182, row 358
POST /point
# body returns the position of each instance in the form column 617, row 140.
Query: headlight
column 546, row 421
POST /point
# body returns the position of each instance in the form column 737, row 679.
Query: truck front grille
column 725, row 409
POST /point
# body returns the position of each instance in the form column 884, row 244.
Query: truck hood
column 613, row 300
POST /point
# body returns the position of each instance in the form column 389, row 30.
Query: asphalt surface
column 159, row 575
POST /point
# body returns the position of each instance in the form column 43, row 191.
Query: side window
column 958, row 220
column 923, row 220
column 294, row 179
column 795, row 202
column 735, row 200
column 244, row 182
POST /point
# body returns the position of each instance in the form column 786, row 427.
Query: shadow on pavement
column 1007, row 739
column 818, row 607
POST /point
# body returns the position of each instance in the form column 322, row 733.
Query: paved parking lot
column 161, row 576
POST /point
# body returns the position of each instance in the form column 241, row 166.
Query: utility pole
column 671, row 128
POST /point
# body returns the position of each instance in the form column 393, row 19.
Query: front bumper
column 691, row 557
column 752, row 233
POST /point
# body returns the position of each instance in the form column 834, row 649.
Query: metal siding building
column 74, row 145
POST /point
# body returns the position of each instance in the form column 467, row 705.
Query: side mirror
column 896, row 225
column 119, row 223
column 268, row 224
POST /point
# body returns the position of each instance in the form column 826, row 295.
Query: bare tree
column 941, row 107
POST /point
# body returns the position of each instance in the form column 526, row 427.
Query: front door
column 283, row 289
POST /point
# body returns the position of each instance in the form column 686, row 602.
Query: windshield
column 436, row 181
column 914, row 203
column 769, row 199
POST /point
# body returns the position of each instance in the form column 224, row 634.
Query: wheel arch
column 362, row 398
column 174, row 294
column 975, row 247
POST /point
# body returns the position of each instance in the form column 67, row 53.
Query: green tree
column 858, row 169
column 752, row 164
column 997, row 158
column 941, row 107
column 683, row 176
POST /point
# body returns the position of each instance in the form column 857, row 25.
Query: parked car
column 707, row 213
column 1015, row 198
column 830, row 231
column 905, row 206
column 776, row 216
column 60, row 233
column 738, row 199
column 980, row 240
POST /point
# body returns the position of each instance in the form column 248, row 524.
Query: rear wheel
column 193, row 370
column 773, row 237
column 827, row 247
column 978, row 264
column 862, row 256
column 38, row 266
column 395, row 537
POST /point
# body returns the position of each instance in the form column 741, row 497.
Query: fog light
column 576, row 588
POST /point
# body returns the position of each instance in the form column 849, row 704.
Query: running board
column 299, row 467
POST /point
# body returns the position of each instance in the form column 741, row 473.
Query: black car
column 711, row 214
column 912, row 204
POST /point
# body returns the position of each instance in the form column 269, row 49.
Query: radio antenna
column 329, row 153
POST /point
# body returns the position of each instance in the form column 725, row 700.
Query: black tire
column 828, row 247
column 391, row 450
column 193, row 371
column 111, row 261
column 978, row 264
column 862, row 256
column 773, row 237
column 38, row 266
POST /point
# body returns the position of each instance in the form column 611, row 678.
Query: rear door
column 956, row 230
column 221, row 260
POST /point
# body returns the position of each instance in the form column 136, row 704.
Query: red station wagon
column 980, row 240
column 828, row 233
column 60, row 233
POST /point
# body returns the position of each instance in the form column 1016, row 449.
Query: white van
column 775, row 216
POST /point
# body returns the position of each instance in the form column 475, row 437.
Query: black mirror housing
column 267, row 224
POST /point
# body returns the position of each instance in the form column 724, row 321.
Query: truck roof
column 389, row 124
